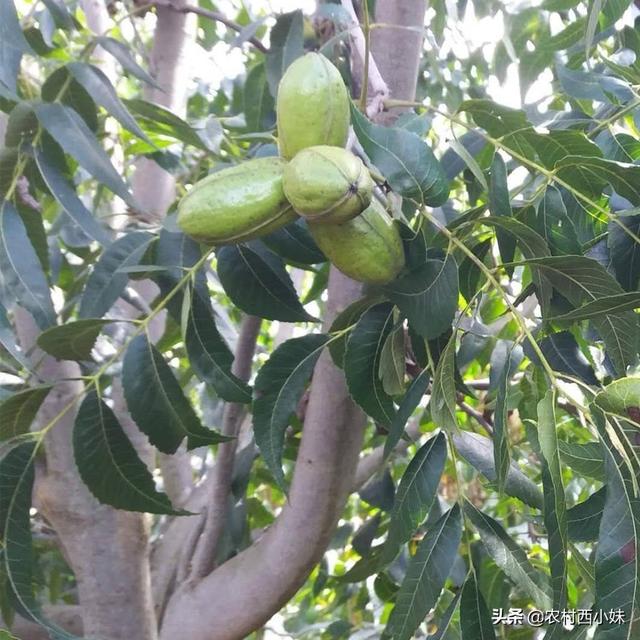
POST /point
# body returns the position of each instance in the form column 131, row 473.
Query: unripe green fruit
column 327, row 184
column 237, row 204
column 367, row 248
column 312, row 106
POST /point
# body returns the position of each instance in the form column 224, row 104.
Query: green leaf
column 60, row 14
column 501, row 453
column 16, row 486
column 583, row 280
column 287, row 44
column 428, row 296
column 278, row 388
column 258, row 283
column 407, row 406
column 156, row 401
column 405, row 160
column 18, row 411
column 618, row 551
column 583, row 520
column 73, row 340
column 443, row 392
column 109, row 465
column 258, row 101
column 8, row 338
column 426, row 575
column 123, row 55
column 509, row 556
column 392, row 362
column 106, row 282
column 295, row 244
column 416, row 493
column 624, row 250
column 362, row 362
column 99, row 87
column 446, row 623
column 555, row 508
column 66, row 196
column 61, row 87
column 563, row 354
column 554, row 224
column 500, row 206
column 158, row 120
column 475, row 618
column 621, row 397
column 558, row 144
column 585, row 458
column 209, row 354
column 478, row 452
column 589, row 175
column 12, row 45
column 72, row 134
column 21, row 270
column 609, row 305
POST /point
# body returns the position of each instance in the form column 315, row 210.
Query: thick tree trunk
column 242, row 594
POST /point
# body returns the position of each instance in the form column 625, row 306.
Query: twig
column 216, row 16
column 477, row 416
column 379, row 88
column 204, row 556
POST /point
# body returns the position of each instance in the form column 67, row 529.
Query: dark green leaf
column 426, row 575
column 60, row 14
column 258, row 101
column 404, row 159
column 278, row 388
column 583, row 520
column 618, row 551
column 18, row 411
column 379, row 491
column 73, row 340
column 406, row 408
column 392, row 362
column 554, row 224
column 446, row 623
column 287, row 44
column 609, row 305
column 416, row 493
column 258, row 283
column 106, row 282
column 589, row 175
column 209, row 354
column 558, row 144
column 583, row 280
column 109, row 465
column 563, row 354
column 67, row 198
column 63, row 88
column 501, row 452
column 555, row 508
column 123, row 55
column 478, row 452
column 475, row 618
column 443, row 393
column 295, row 244
column 624, row 250
column 102, row 91
column 16, row 486
column 8, row 338
column 509, row 556
column 428, row 296
column 500, row 206
column 362, row 362
column 156, row 401
column 12, row 44
column 585, row 458
column 161, row 121
column 73, row 135
column 21, row 269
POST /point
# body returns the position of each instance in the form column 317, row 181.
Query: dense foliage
column 507, row 348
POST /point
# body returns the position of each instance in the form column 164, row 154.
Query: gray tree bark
column 242, row 594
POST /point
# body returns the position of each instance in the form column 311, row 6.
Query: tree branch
column 205, row 553
column 379, row 88
column 216, row 16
